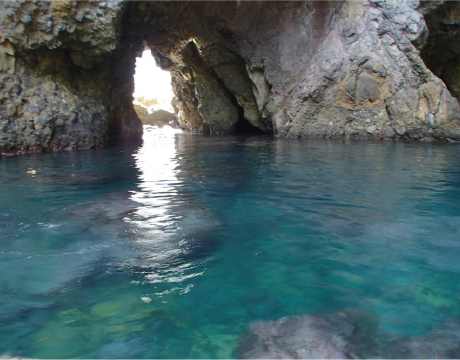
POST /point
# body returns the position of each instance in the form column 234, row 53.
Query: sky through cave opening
column 152, row 87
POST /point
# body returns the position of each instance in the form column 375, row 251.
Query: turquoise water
column 173, row 249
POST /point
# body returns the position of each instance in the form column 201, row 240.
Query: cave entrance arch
column 216, row 91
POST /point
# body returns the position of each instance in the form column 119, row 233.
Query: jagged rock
column 297, row 69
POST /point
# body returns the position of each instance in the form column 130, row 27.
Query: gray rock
column 303, row 337
column 371, row 129
column 443, row 342
column 348, row 334
column 342, row 335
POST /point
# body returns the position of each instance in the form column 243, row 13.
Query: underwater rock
column 156, row 245
column 343, row 335
column 348, row 334
column 303, row 337
column 112, row 207
column 443, row 342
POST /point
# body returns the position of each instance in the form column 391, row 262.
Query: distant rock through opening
column 153, row 94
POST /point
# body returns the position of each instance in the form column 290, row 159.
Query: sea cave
column 229, row 179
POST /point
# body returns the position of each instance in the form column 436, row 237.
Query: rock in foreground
column 348, row 334
column 335, row 336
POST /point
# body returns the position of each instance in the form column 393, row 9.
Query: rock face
column 366, row 69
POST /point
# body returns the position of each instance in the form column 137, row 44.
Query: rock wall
column 295, row 69
column 53, row 62
column 360, row 75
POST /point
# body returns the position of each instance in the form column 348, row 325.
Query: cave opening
column 244, row 127
column 185, row 76
column 153, row 94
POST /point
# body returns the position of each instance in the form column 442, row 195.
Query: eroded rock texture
column 54, row 79
column 295, row 69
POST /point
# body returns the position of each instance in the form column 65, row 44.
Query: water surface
column 173, row 249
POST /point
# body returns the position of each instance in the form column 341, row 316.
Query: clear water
column 173, row 249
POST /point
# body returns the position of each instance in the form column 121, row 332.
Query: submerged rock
column 347, row 334
column 336, row 336
column 110, row 208
column 443, row 342
column 302, row 337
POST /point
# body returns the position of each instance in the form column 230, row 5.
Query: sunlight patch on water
column 159, row 240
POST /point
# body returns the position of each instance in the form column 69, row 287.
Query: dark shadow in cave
column 153, row 94
column 243, row 127
column 441, row 52
column 124, row 124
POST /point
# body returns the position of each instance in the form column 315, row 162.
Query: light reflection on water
column 161, row 240
column 173, row 249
